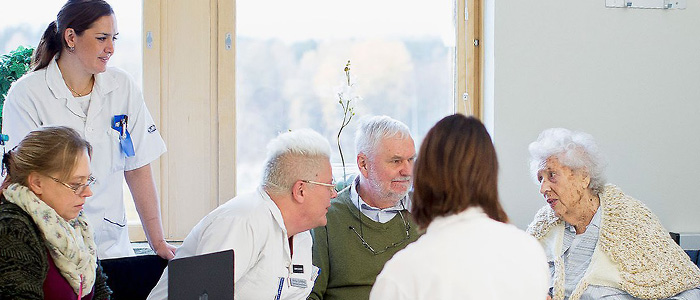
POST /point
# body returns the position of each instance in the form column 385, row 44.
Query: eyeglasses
column 375, row 252
column 76, row 188
column 329, row 185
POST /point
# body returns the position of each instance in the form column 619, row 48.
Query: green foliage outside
column 12, row 67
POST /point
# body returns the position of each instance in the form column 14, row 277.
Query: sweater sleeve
column 102, row 291
column 320, row 260
column 23, row 261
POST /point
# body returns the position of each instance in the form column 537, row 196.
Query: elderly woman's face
column 562, row 188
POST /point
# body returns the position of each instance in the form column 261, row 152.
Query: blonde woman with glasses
column 48, row 251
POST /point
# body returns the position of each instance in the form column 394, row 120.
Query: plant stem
column 347, row 116
column 342, row 159
column 346, row 121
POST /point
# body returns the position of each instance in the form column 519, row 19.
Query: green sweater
column 24, row 257
column 348, row 269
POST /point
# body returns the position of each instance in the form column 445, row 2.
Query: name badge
column 297, row 282
column 120, row 123
column 297, row 268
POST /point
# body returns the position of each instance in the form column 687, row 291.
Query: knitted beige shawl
column 650, row 264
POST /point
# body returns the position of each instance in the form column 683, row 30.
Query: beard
column 384, row 190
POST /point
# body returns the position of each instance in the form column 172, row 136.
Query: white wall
column 629, row 77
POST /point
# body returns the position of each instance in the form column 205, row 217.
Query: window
column 408, row 59
column 25, row 29
column 290, row 60
column 289, row 63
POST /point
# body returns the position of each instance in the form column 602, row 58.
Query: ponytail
column 49, row 45
column 6, row 158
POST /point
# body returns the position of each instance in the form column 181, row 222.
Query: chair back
column 694, row 256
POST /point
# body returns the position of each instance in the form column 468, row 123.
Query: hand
column 549, row 297
column 164, row 250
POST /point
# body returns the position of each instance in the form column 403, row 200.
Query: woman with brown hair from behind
column 468, row 250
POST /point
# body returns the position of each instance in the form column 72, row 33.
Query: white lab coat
column 251, row 225
column 41, row 98
column 466, row 256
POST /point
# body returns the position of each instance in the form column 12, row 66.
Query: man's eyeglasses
column 329, row 185
column 76, row 188
column 375, row 252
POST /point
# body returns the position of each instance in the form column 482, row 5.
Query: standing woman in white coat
column 71, row 85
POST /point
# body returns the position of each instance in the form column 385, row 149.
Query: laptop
column 201, row 277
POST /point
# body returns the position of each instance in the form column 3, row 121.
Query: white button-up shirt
column 252, row 225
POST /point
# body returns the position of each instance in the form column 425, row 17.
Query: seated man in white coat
column 268, row 229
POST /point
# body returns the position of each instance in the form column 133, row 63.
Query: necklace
column 75, row 92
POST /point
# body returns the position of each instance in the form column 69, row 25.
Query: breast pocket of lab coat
column 118, row 158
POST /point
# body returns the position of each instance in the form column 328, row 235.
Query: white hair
column 292, row 156
column 575, row 150
column 374, row 129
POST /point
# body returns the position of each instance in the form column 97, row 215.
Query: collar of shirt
column 589, row 238
column 104, row 83
column 274, row 210
column 467, row 215
column 381, row 215
column 300, row 240
column 594, row 222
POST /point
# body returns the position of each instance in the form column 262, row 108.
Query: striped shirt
column 381, row 215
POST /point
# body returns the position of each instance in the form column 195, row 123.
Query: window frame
column 469, row 60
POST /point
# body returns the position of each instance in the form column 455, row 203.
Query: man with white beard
column 369, row 221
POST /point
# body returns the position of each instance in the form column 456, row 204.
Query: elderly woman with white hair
column 601, row 243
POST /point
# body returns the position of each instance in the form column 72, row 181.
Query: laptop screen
column 201, row 277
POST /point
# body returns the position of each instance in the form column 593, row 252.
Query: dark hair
column 456, row 169
column 76, row 14
column 45, row 150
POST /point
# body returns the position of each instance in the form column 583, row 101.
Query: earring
column 71, row 49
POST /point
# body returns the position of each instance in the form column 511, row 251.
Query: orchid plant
column 346, row 98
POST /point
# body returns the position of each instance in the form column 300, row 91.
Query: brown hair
column 46, row 150
column 456, row 169
column 76, row 14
